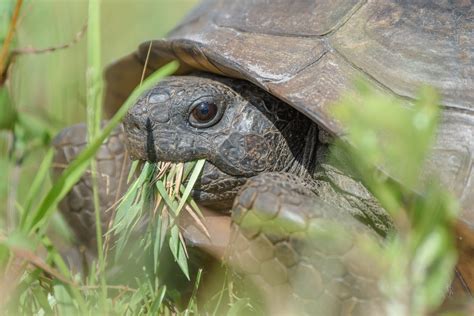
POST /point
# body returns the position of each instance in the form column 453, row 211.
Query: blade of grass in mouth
column 158, row 195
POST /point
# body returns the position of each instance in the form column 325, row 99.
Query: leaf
column 164, row 194
column 178, row 250
column 131, row 218
column 4, row 254
column 42, row 299
column 77, row 168
column 137, row 297
column 160, row 233
column 133, row 169
column 241, row 307
column 65, row 303
column 35, row 129
column 38, row 182
column 8, row 117
column 192, row 304
column 128, row 199
column 6, row 10
column 35, row 260
column 388, row 137
column 158, row 301
column 192, row 181
column 397, row 146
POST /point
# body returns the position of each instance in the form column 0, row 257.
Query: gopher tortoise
column 253, row 96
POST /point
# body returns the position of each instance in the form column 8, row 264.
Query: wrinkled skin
column 266, row 164
column 252, row 132
column 294, row 217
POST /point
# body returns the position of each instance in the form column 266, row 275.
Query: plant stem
column 14, row 179
column 94, row 98
column 6, row 44
column 78, row 166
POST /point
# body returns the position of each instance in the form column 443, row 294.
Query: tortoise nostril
column 133, row 121
column 135, row 126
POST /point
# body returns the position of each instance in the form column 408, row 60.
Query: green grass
column 386, row 140
column 50, row 90
column 61, row 85
column 94, row 98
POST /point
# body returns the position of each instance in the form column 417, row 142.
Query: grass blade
column 77, row 168
column 178, row 250
column 192, row 181
column 94, row 110
column 157, row 303
column 38, row 182
column 170, row 202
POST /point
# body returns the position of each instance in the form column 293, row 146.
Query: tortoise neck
column 304, row 164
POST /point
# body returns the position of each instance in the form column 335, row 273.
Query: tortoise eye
column 203, row 114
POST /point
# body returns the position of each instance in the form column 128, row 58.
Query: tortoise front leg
column 302, row 252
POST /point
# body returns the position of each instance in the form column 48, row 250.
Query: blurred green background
column 48, row 91
column 56, row 81
column 50, row 88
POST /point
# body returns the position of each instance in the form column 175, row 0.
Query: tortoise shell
column 307, row 53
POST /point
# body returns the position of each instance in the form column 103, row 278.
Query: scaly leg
column 302, row 253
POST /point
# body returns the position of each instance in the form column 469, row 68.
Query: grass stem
column 94, row 109
column 9, row 38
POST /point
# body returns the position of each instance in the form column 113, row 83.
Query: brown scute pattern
column 397, row 45
column 283, row 17
column 456, row 159
column 334, row 77
column 289, row 266
column 113, row 166
column 406, row 43
column 250, row 51
column 464, row 279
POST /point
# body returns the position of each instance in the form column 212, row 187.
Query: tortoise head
column 238, row 128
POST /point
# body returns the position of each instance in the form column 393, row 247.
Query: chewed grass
column 150, row 211
column 151, row 207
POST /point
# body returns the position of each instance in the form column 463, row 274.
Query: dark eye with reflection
column 204, row 114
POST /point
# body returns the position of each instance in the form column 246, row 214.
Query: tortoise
column 253, row 96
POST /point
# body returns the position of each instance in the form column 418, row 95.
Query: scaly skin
column 289, row 194
column 302, row 252
column 255, row 133
column 265, row 159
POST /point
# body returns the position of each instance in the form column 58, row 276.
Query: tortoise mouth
column 142, row 145
column 149, row 142
column 213, row 189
